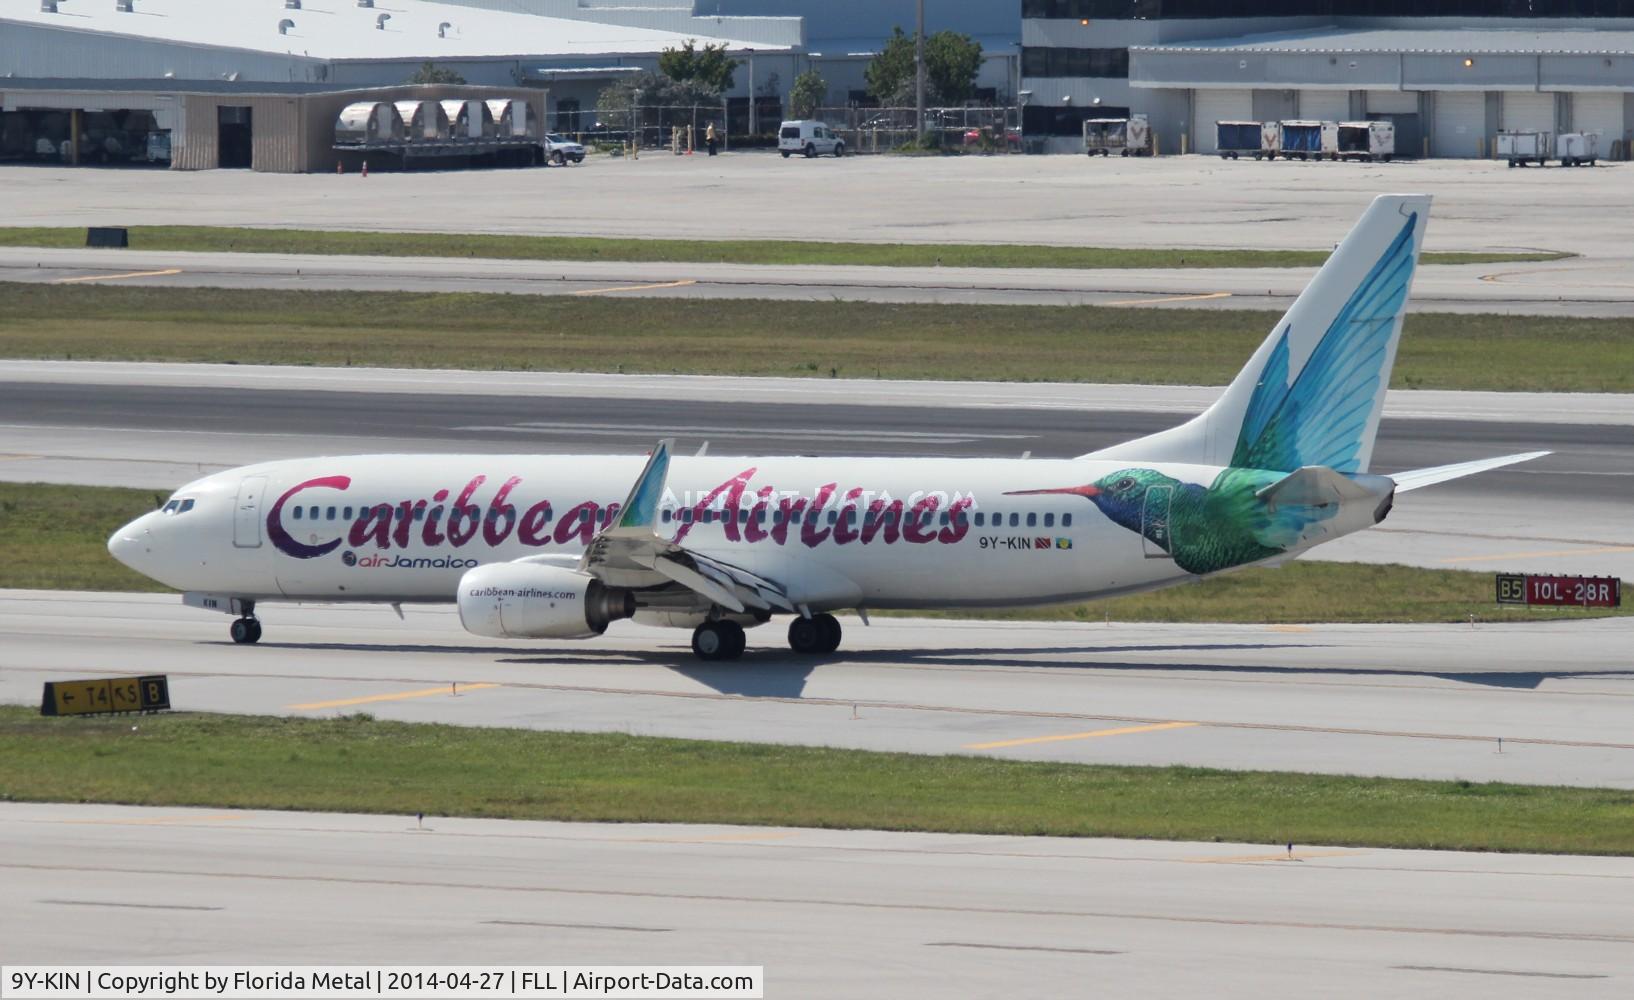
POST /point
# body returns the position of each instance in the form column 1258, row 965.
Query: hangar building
column 1449, row 73
column 257, row 83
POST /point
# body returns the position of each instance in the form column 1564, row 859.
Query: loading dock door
column 1210, row 106
column 233, row 146
column 1459, row 121
column 1527, row 110
column 1325, row 105
column 1601, row 113
column 1400, row 108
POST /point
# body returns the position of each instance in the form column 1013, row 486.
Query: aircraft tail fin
column 1313, row 392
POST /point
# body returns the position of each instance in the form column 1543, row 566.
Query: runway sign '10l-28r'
column 1566, row 591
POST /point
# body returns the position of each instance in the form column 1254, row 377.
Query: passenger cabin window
column 329, row 515
column 347, row 513
column 1015, row 520
column 298, row 512
column 664, row 515
column 1032, row 519
column 1066, row 520
column 1049, row 520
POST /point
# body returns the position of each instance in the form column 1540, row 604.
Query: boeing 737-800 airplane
column 559, row 546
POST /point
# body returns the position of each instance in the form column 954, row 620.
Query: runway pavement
column 826, row 912
column 1426, row 701
column 158, row 426
column 1572, row 287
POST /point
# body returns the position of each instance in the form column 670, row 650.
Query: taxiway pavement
column 826, row 912
column 1418, row 701
column 1569, row 287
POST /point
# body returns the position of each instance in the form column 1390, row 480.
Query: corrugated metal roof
column 1450, row 41
column 340, row 29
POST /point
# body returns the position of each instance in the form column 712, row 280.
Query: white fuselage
column 871, row 532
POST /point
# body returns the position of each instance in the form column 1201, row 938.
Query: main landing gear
column 724, row 639
column 819, row 634
column 247, row 629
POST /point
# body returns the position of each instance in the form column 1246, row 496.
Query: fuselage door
column 247, row 514
column 1155, row 539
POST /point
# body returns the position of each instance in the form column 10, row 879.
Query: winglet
column 639, row 515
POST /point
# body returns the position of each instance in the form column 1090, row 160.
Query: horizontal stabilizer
column 1418, row 478
column 1312, row 486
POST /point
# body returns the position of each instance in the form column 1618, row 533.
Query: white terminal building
column 258, row 83
column 1449, row 73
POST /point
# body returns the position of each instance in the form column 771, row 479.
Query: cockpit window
column 186, row 506
column 178, row 506
column 170, row 508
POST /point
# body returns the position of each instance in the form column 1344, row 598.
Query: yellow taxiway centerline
column 1123, row 731
column 638, row 288
column 115, row 277
column 399, row 696
column 1170, row 298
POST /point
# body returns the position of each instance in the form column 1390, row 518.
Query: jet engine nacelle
column 534, row 601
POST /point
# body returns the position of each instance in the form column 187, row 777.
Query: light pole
column 919, row 70
column 752, row 129
column 635, row 127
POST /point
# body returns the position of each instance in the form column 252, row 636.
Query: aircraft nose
column 132, row 544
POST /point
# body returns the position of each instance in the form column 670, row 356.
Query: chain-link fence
column 879, row 130
column 864, row 130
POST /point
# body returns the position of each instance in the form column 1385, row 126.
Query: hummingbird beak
column 1087, row 490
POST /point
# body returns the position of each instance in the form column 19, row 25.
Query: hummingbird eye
column 1127, row 482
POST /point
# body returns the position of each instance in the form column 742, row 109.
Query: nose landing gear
column 247, row 629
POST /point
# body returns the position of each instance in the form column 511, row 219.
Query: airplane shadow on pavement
column 771, row 672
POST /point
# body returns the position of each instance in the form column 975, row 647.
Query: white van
column 812, row 138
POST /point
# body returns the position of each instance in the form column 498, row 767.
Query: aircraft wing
column 629, row 552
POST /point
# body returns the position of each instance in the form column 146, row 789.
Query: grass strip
column 358, row 764
column 511, row 247
column 55, row 538
column 735, row 337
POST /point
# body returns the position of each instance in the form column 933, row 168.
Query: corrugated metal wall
column 278, row 142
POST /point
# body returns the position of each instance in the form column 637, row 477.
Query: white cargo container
column 1374, row 140
column 368, row 122
column 1130, row 136
column 1576, row 149
column 1523, row 146
column 423, row 121
column 469, row 119
column 513, row 118
column 1304, row 139
column 1234, row 138
column 1270, row 139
